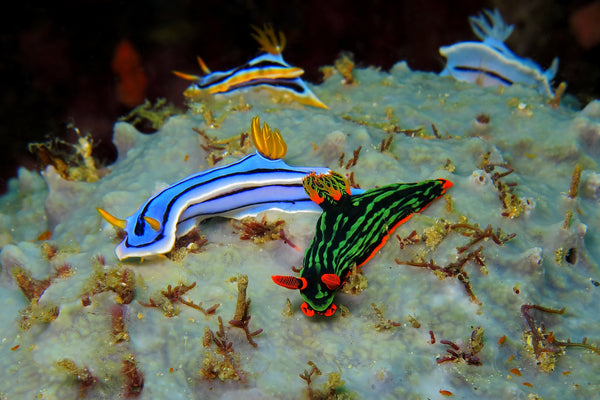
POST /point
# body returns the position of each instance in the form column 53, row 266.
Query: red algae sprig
column 386, row 143
column 72, row 161
column 33, row 289
column 134, row 378
column 351, row 161
column 307, row 376
column 192, row 242
column 558, row 94
column 435, row 234
column 119, row 280
column 117, row 324
column 82, row 375
column 223, row 362
column 173, row 295
column 241, row 318
column 30, row 287
column 545, row 347
column 575, row 179
column 218, row 149
column 382, row 322
column 261, row 232
column 468, row 354
column 330, row 390
column 454, row 270
column 511, row 203
column 477, row 234
column 412, row 238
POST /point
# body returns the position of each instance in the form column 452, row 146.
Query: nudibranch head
column 318, row 294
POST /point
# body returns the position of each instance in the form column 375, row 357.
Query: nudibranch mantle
column 256, row 183
column 490, row 62
column 351, row 229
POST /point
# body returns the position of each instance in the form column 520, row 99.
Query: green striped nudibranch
column 351, row 229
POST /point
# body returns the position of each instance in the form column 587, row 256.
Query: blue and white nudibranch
column 267, row 71
column 490, row 62
column 258, row 182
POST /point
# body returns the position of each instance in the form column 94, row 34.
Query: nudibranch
column 351, row 229
column 258, row 182
column 267, row 71
column 490, row 62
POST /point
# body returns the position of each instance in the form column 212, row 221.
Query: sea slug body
column 351, row 229
column 256, row 183
column 267, row 71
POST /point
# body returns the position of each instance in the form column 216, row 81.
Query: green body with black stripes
column 352, row 229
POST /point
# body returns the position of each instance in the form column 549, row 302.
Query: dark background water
column 56, row 58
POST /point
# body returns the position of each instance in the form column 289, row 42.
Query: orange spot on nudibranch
column 289, row 282
column 446, row 184
column 332, row 281
column 309, row 312
column 502, row 339
column 446, row 393
column 330, row 311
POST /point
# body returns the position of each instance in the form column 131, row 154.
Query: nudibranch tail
column 299, row 91
column 119, row 223
column 269, row 143
column 268, row 40
column 326, row 189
